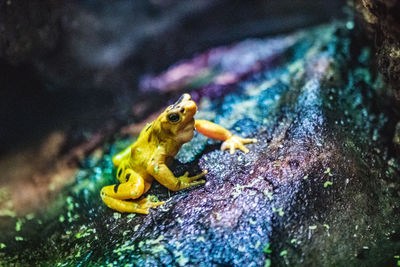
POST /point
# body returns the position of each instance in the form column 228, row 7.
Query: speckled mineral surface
column 320, row 188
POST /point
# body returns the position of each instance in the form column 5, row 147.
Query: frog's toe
column 198, row 182
column 196, row 177
column 224, row 146
column 249, row 140
column 243, row 148
column 156, row 204
column 146, row 203
column 142, row 210
column 228, row 145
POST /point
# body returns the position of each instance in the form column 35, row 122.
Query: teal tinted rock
column 313, row 108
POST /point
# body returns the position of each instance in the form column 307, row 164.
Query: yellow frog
column 156, row 145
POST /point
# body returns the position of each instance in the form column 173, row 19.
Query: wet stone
column 316, row 189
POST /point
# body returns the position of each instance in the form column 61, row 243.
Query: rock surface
column 320, row 188
column 381, row 20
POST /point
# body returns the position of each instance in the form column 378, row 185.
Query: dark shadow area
column 84, row 69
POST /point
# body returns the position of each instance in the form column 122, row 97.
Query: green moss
column 7, row 213
column 268, row 194
column 158, row 249
column 328, row 171
column 30, row 216
column 18, row 225
column 181, row 260
column 127, row 246
column 116, row 215
column 153, row 198
column 279, row 211
column 267, row 249
column 200, row 239
column 131, row 216
column 154, row 241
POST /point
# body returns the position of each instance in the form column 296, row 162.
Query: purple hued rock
column 319, row 188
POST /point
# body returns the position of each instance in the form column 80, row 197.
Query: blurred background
column 73, row 73
column 75, row 66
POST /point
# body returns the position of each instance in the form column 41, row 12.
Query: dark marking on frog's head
column 116, row 188
column 179, row 100
column 127, row 176
column 148, row 126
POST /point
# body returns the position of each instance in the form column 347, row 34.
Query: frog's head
column 177, row 120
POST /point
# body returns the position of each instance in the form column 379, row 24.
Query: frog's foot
column 125, row 206
column 141, row 206
column 235, row 142
column 186, row 179
column 147, row 203
column 116, row 196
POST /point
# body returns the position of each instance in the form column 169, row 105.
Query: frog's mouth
column 188, row 110
column 189, row 125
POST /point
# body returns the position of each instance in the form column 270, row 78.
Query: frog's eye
column 174, row 117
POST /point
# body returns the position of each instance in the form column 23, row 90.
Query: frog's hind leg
column 123, row 172
column 115, row 196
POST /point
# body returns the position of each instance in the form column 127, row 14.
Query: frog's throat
column 189, row 122
column 170, row 139
column 170, row 144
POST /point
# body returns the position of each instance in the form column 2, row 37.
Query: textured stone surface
column 382, row 21
column 320, row 188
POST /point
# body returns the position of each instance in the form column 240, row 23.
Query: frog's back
column 134, row 158
column 125, row 155
column 143, row 148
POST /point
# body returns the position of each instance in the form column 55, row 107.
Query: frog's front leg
column 164, row 176
column 215, row 131
column 115, row 196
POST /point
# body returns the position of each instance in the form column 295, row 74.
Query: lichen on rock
column 319, row 188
